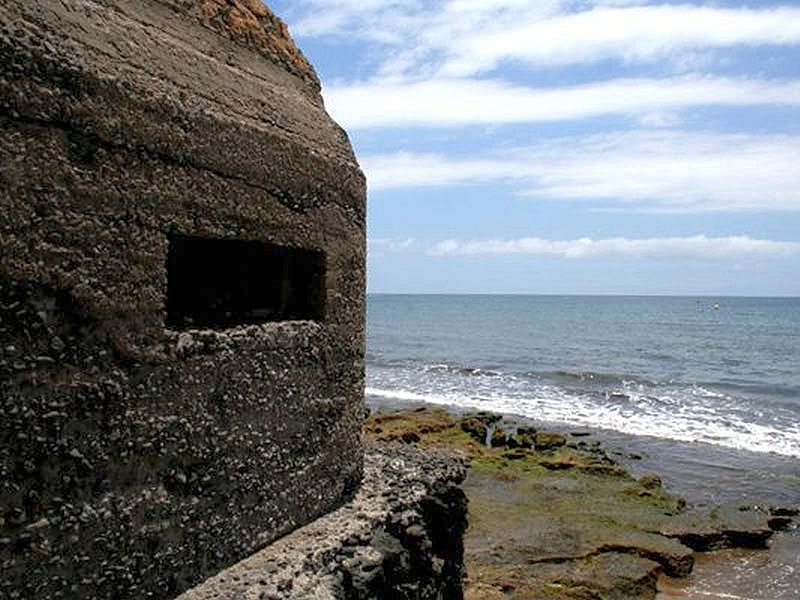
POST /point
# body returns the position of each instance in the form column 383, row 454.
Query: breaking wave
column 688, row 413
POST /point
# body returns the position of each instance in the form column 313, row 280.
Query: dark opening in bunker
column 216, row 283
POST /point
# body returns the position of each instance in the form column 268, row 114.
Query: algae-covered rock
column 488, row 417
column 558, row 522
column 615, row 575
column 498, row 439
column 548, row 440
column 475, row 428
column 520, row 439
column 650, row 481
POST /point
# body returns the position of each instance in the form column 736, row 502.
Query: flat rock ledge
column 401, row 534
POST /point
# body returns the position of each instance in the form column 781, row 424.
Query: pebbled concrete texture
column 136, row 461
column 400, row 537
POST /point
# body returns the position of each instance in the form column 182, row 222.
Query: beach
column 706, row 397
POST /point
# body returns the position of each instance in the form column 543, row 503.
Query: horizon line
column 587, row 295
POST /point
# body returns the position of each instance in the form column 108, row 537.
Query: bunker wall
column 136, row 458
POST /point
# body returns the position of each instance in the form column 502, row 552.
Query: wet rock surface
column 567, row 521
column 741, row 573
column 729, row 526
column 401, row 536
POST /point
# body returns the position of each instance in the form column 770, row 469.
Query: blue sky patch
column 556, row 146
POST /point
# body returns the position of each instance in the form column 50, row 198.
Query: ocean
column 704, row 391
column 721, row 371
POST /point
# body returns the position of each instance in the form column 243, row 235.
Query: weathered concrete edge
column 402, row 531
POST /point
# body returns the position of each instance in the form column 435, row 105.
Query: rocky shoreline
column 553, row 515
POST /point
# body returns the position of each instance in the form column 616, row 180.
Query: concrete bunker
column 182, row 311
column 150, row 433
column 219, row 283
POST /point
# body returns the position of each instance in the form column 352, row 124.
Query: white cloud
column 660, row 119
column 692, row 247
column 409, row 23
column 407, row 170
column 451, row 102
column 696, row 247
column 464, row 37
column 391, row 244
column 632, row 34
column 372, row 20
column 664, row 170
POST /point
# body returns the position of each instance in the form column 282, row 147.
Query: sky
column 568, row 146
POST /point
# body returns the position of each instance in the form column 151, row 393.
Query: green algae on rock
column 565, row 521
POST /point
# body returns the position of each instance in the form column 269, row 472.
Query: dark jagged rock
column 410, row 437
column 780, row 523
column 779, row 511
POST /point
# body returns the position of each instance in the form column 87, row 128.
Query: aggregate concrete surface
column 136, row 461
column 400, row 537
